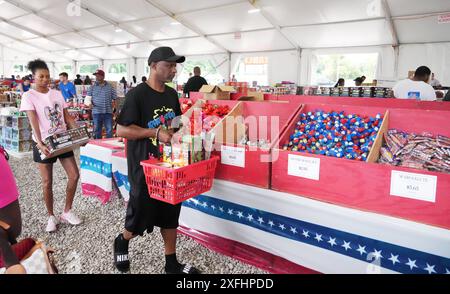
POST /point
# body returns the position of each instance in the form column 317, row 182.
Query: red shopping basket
column 175, row 185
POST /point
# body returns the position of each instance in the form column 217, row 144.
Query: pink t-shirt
column 8, row 187
column 49, row 108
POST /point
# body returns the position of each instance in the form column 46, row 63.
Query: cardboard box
column 216, row 92
column 368, row 186
column 257, row 96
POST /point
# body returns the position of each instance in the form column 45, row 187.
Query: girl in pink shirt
column 46, row 110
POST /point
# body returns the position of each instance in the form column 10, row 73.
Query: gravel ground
column 87, row 248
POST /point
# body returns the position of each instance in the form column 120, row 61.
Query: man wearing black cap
column 148, row 110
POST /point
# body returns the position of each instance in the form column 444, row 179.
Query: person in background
column 195, row 83
column 18, row 78
column 87, row 81
column 78, row 81
column 102, row 95
column 10, row 217
column 233, row 78
column 340, row 83
column 434, row 82
column 124, row 83
column 48, row 115
column 25, row 86
column 417, row 88
column 133, row 84
column 67, row 88
column 144, row 79
column 359, row 81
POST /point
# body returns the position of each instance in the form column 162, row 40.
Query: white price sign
column 234, row 156
column 414, row 186
column 304, row 167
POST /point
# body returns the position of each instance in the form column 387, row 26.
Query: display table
column 285, row 233
column 96, row 167
column 120, row 174
column 322, row 237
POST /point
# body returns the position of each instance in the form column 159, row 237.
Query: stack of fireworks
column 66, row 141
column 416, row 151
column 335, row 134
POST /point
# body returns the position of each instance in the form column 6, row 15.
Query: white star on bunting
column 346, row 245
column 213, row 207
column 221, row 209
column 318, row 237
column 361, row 249
column 230, row 211
column 282, row 227
column 240, row 215
column 394, row 259
column 377, row 254
column 260, row 220
column 293, row 230
column 250, row 217
column 306, row 234
column 411, row 264
column 332, row 241
column 205, row 205
column 271, row 223
column 430, row 269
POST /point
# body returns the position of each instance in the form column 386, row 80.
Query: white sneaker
column 51, row 224
column 70, row 218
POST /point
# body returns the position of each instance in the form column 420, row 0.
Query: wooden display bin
column 371, row 186
column 252, row 165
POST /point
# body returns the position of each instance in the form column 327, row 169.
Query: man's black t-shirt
column 146, row 108
column 194, row 84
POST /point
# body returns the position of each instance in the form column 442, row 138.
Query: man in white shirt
column 417, row 88
column 434, row 82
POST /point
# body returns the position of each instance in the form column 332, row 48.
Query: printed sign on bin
column 414, row 186
column 234, row 156
column 304, row 167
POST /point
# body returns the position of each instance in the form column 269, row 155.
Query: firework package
column 65, row 141
column 416, row 151
column 335, row 134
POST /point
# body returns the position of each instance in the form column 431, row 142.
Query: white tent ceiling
column 59, row 30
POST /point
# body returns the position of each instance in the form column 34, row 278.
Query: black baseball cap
column 165, row 54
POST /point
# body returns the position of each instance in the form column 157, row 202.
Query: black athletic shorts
column 144, row 213
column 37, row 156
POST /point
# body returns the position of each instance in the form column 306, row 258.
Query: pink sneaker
column 70, row 218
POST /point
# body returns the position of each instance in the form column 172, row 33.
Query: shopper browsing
column 417, row 88
column 25, row 86
column 67, row 88
column 78, row 81
column 195, row 83
column 48, row 115
column 147, row 108
column 102, row 95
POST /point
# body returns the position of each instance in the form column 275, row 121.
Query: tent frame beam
column 387, row 12
column 189, row 26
